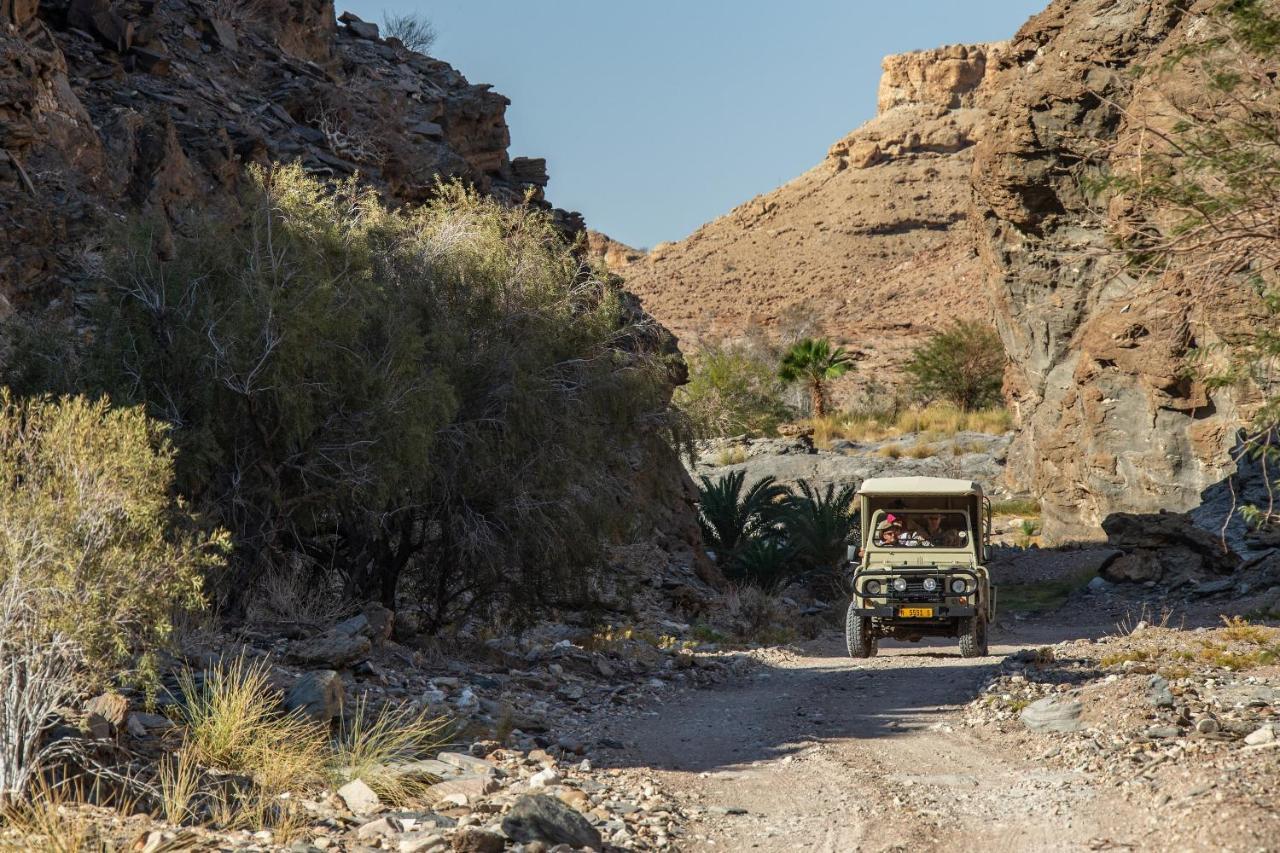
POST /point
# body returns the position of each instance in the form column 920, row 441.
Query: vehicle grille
column 916, row 592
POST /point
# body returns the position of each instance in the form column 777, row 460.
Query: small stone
column 470, row 788
column 333, row 649
column 423, row 842
column 469, row 763
column 473, row 839
column 1159, row 693
column 359, row 797
column 544, row 778
column 1207, row 726
column 1163, row 731
column 98, row 727
column 1053, row 714
column 112, row 707
column 376, row 829
column 1264, row 735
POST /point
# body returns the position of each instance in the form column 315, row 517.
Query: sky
column 658, row 116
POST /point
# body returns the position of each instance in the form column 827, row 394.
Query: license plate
column 915, row 612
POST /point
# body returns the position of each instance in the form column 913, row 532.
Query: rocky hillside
column 159, row 106
column 1109, row 420
column 113, row 108
column 869, row 247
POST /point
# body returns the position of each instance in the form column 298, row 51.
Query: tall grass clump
column 234, row 724
column 368, row 745
column 442, row 402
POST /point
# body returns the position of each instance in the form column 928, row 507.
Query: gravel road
column 822, row 752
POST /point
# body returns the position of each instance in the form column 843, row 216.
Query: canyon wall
column 1110, row 419
column 870, row 247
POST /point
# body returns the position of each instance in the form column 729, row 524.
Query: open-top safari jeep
column 919, row 571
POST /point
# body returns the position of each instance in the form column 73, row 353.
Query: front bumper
column 941, row 612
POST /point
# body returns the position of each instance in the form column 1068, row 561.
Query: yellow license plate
column 915, row 612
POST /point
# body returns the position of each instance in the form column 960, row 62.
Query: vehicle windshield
column 920, row 529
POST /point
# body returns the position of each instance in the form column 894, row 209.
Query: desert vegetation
column 813, row 363
column 963, row 365
column 433, row 408
column 766, row 534
column 733, row 389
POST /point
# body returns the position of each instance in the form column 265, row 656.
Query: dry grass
column 1016, row 507
column 1237, row 646
column 735, row 455
column 52, row 822
column 939, row 420
column 890, row 451
column 922, row 451
column 368, row 744
column 178, row 780
column 233, row 725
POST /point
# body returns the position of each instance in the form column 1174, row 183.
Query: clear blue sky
column 658, row 115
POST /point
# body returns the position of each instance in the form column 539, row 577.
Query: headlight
column 872, row 588
column 900, row 584
column 930, row 584
column 959, row 585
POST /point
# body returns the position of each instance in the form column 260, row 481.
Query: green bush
column 733, row 389
column 441, row 401
column 963, row 365
column 90, row 529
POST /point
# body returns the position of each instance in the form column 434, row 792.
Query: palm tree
column 815, row 362
column 729, row 518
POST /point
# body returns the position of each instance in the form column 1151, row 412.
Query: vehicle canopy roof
column 923, row 486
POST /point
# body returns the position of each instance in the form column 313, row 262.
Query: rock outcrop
column 110, row 108
column 869, row 247
column 1110, row 419
column 106, row 107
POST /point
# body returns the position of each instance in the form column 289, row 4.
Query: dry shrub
column 90, row 532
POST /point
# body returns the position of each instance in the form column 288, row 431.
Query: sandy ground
column 822, row 752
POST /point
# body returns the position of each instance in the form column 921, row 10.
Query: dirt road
column 822, row 752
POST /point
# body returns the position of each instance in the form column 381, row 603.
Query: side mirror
column 851, row 553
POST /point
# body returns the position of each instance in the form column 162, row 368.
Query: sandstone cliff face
column 1110, row 420
column 869, row 247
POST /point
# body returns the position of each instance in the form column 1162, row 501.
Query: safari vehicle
column 919, row 571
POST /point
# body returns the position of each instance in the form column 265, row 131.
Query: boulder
column 332, row 649
column 1053, row 714
column 1164, row 547
column 538, row 817
column 318, row 695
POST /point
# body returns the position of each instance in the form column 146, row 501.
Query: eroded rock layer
column 1110, row 419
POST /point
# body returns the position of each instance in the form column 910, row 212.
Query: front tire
column 973, row 637
column 857, row 634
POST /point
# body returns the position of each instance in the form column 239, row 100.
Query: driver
column 938, row 535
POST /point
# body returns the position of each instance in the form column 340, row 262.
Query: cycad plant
column 729, row 517
column 815, row 362
column 765, row 562
column 819, row 524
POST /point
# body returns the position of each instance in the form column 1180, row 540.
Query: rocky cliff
column 108, row 108
column 1110, row 419
column 869, row 247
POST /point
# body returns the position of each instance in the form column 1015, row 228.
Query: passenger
column 889, row 533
